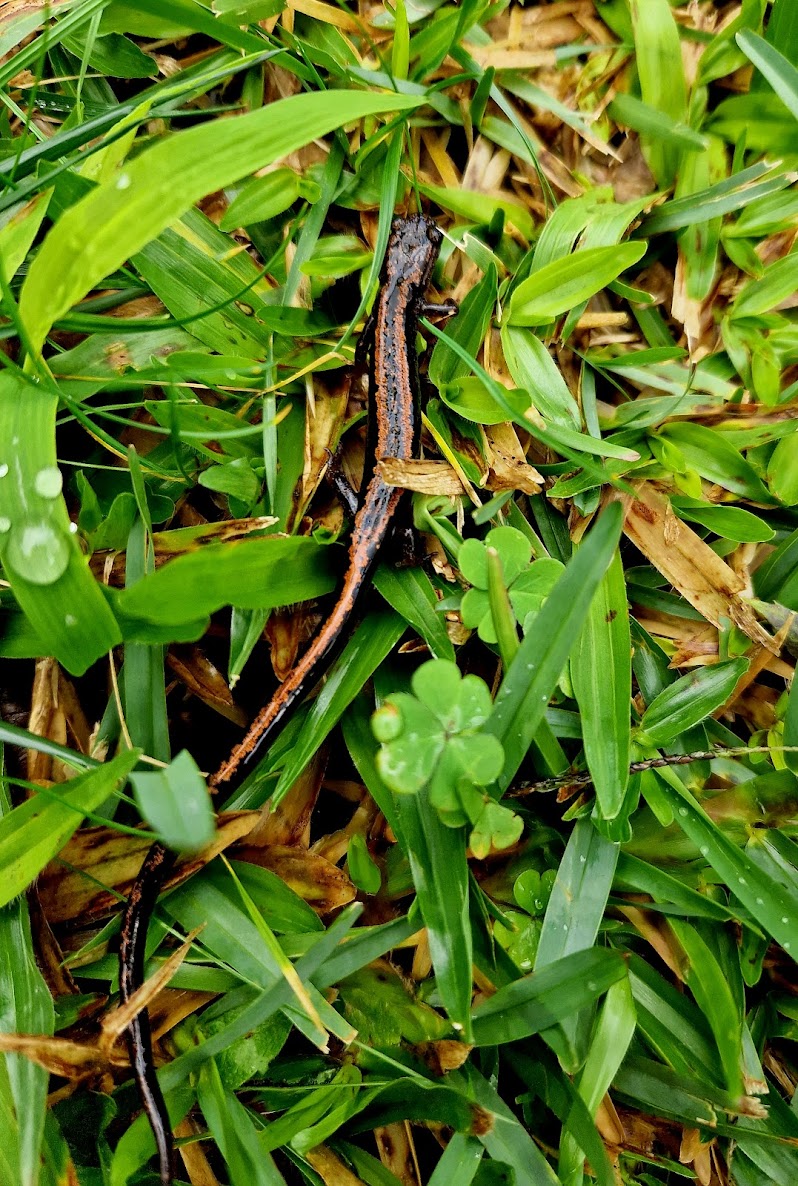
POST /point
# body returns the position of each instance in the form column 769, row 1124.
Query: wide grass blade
column 116, row 220
column 40, row 555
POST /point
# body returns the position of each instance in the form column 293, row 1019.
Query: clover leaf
column 528, row 584
column 433, row 739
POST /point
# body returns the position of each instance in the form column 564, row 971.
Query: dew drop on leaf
column 48, row 482
column 38, row 552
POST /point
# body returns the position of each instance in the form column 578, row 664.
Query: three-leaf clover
column 528, row 584
column 433, row 739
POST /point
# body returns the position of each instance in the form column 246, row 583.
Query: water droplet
column 591, row 986
column 704, row 850
column 3, row 469
column 530, row 666
column 786, row 946
column 70, row 620
column 565, row 926
column 37, row 552
column 73, row 529
column 682, row 811
column 741, row 881
column 15, row 441
column 48, row 482
column 583, row 860
column 760, row 901
column 5, row 524
column 123, row 181
column 785, row 920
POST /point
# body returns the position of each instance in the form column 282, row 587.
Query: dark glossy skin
column 393, row 385
column 135, row 921
column 389, row 337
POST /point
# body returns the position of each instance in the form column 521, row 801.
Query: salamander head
column 412, row 250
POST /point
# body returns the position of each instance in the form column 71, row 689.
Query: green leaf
column 26, row 1006
column 372, row 641
column 236, row 478
column 601, row 672
column 262, row 198
column 541, row 657
column 260, row 572
column 690, row 700
column 626, row 109
column 410, row 592
column 534, row 370
column 791, row 727
column 469, row 329
column 33, row 833
column 716, row 459
column 726, row 521
column 779, row 72
column 561, row 285
column 547, row 997
column 116, row 220
column 437, row 858
column 710, row 987
column 40, row 555
column 614, row 1031
column 773, row 906
column 480, row 207
column 661, row 76
column 783, row 470
column 777, row 282
column 733, row 193
column 579, row 895
column 175, row 802
column 18, row 229
column 362, row 869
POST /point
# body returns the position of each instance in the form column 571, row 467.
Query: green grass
column 422, row 947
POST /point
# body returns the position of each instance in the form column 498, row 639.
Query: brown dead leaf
column 397, row 1152
column 116, row 1021
column 201, row 677
column 509, row 468
column 104, row 863
column 425, row 477
column 318, row 882
column 656, row 931
column 288, row 823
column 323, row 428
column 443, row 1055
column 60, row 1056
column 687, row 562
column 609, row 1123
column 331, row 1169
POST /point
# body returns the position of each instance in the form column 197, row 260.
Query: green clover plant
column 432, row 740
column 528, row 584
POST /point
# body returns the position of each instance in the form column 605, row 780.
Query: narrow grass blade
column 27, row 1007
column 437, row 858
column 530, row 680
column 601, row 671
column 780, row 73
column 539, row 1001
column 34, row 832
